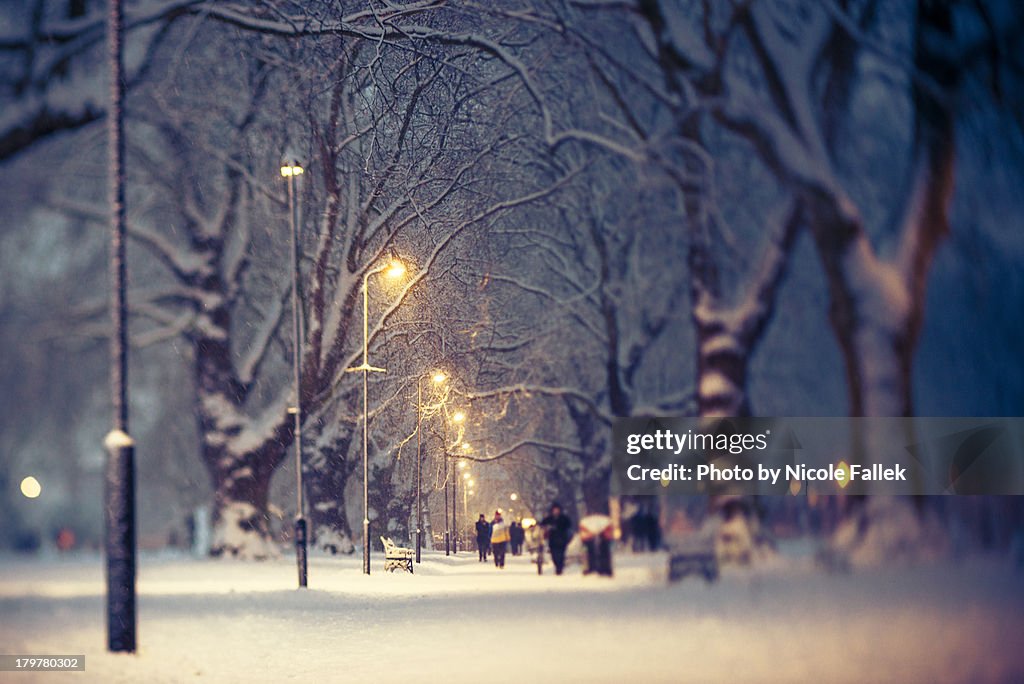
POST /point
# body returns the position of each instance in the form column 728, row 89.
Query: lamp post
column 438, row 378
column 455, row 522
column 455, row 499
column 447, row 510
column 119, row 479
column 457, row 417
column 394, row 270
column 292, row 169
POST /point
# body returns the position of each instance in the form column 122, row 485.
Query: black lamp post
column 119, row 478
column 292, row 169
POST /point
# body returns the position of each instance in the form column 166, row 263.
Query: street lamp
column 458, row 416
column 438, row 378
column 393, row 270
column 292, row 169
column 465, row 495
column 455, row 519
column 30, row 488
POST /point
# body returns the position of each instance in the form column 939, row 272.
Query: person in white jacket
column 499, row 539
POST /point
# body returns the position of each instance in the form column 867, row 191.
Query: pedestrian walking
column 483, row 537
column 597, row 532
column 558, row 530
column 516, row 537
column 499, row 539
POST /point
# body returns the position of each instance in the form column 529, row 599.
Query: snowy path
column 458, row 620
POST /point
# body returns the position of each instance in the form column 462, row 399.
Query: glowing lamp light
column 439, row 377
column 465, row 476
column 30, row 487
column 514, row 496
column 395, row 270
column 458, row 416
column 290, row 165
column 844, row 479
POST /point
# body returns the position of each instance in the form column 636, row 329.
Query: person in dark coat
column 483, row 537
column 516, row 538
column 558, row 530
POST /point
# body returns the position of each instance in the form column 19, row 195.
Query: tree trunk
column 241, row 519
column 240, row 453
column 592, row 436
column 327, row 475
column 596, row 493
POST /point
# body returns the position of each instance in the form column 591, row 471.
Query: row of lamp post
column 450, row 541
column 291, row 169
column 457, row 417
column 120, row 472
column 393, row 270
column 438, row 378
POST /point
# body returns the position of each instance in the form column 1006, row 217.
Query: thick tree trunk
column 596, row 493
column 727, row 336
column 878, row 309
column 592, row 436
column 326, row 476
column 721, row 373
column 241, row 519
column 240, row 454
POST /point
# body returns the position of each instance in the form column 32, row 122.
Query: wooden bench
column 397, row 557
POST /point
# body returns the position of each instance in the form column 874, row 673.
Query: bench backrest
column 389, row 545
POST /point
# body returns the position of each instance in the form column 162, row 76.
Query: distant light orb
column 31, row 488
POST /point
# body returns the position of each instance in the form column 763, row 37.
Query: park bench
column 693, row 561
column 396, row 557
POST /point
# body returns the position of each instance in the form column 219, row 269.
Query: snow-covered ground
column 462, row 621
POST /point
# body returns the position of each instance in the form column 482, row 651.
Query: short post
column 120, row 541
column 300, row 548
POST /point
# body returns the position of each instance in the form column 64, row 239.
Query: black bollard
column 120, row 542
column 300, row 549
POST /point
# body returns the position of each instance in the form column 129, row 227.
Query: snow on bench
column 396, row 557
column 693, row 559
